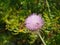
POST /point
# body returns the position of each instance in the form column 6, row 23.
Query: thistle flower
column 34, row 22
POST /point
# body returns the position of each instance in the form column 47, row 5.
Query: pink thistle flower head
column 34, row 22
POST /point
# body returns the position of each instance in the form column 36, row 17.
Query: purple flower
column 34, row 22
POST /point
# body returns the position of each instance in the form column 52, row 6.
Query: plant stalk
column 38, row 33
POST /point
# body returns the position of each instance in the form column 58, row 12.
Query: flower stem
column 38, row 33
column 48, row 7
column 47, row 3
